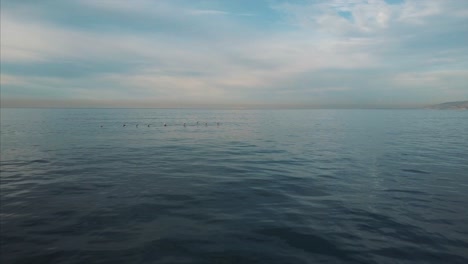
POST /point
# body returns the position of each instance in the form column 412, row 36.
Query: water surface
column 265, row 186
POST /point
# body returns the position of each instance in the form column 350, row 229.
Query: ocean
column 262, row 186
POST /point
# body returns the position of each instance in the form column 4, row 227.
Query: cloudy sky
column 145, row 53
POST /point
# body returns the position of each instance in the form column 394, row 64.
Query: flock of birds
column 185, row 124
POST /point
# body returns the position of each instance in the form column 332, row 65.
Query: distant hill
column 460, row 105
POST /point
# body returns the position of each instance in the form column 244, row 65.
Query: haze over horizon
column 308, row 53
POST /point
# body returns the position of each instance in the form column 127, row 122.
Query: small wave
column 404, row 191
column 308, row 242
column 39, row 161
column 415, row 171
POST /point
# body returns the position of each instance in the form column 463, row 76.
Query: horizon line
column 120, row 104
column 220, row 108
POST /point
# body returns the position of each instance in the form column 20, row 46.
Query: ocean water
column 263, row 186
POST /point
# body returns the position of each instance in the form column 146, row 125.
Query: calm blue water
column 265, row 186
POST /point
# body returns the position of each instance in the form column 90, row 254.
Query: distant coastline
column 459, row 105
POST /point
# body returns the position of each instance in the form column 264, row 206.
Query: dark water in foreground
column 266, row 186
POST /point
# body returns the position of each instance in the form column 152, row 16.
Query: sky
column 184, row 53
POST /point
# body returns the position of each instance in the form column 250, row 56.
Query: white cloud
column 365, row 16
column 207, row 12
column 35, row 41
column 415, row 11
column 434, row 79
